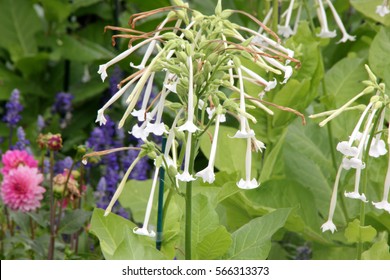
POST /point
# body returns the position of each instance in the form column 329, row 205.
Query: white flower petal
column 185, row 177
column 356, row 195
column 356, row 163
column 382, row 205
column 100, row 117
column 346, row 37
column 140, row 114
column 345, row 148
column 285, row 31
column 329, row 225
column 207, row 175
column 156, row 128
column 188, row 126
column 244, row 134
column 382, row 10
column 139, row 132
column 378, row 148
column 144, row 231
column 327, row 34
column 140, row 67
column 103, row 71
column 248, row 184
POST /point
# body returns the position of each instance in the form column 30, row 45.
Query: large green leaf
column 379, row 250
column 117, row 239
column 253, row 240
column 214, row 245
column 378, row 56
column 19, row 24
column 355, row 233
column 205, row 219
column 73, row 221
column 368, row 8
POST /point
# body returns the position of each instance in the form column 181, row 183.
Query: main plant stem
column 275, row 15
column 365, row 180
column 188, row 217
column 52, row 210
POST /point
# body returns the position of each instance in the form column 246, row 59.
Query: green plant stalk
column 275, row 15
column 365, row 180
column 52, row 210
column 307, row 10
column 188, row 200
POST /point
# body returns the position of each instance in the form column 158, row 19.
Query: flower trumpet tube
column 144, row 229
column 248, row 183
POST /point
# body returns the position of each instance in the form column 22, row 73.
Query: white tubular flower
column 378, row 146
column 383, row 9
column 355, row 194
column 329, row 225
column 158, row 127
column 244, row 131
column 150, row 48
column 144, row 230
column 384, row 203
column 103, row 67
column 207, row 174
column 140, row 114
column 347, row 148
column 286, row 30
column 189, row 124
column 120, row 187
column 171, row 82
column 325, row 32
column 210, row 113
column 298, row 17
column 355, row 163
column 288, row 70
column 248, row 183
column 140, row 132
column 100, row 116
column 258, row 145
column 186, row 176
column 268, row 84
column 340, row 24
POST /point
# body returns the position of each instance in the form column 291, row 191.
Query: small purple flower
column 22, row 142
column 13, row 108
column 40, row 123
column 61, row 165
column 62, row 103
column 63, row 106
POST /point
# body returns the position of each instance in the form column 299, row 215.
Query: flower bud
column 54, row 142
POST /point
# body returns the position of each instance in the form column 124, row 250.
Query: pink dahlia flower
column 15, row 158
column 21, row 190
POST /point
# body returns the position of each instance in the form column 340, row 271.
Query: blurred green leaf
column 57, row 11
column 79, row 49
column 19, row 24
column 355, row 233
column 253, row 240
column 368, row 8
column 378, row 55
column 379, row 250
column 73, row 221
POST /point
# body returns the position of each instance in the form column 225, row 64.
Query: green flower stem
column 188, row 214
column 52, row 210
column 307, row 10
column 275, row 15
column 365, row 179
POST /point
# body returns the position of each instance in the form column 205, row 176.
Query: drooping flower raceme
column 295, row 7
column 201, row 59
column 364, row 141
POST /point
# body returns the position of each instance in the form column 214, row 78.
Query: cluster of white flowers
column 366, row 139
column 201, row 59
column 286, row 31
